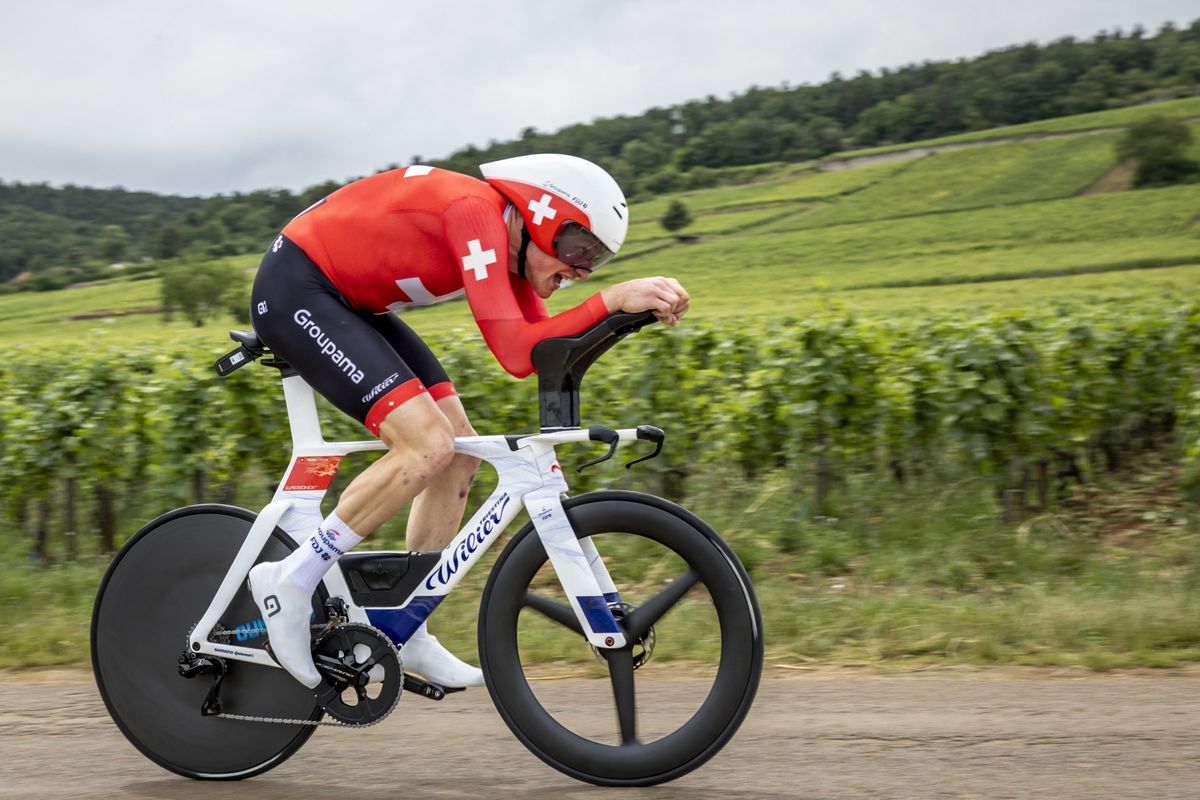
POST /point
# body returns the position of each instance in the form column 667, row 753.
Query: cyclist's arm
column 510, row 316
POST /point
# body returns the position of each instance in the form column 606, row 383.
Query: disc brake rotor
column 643, row 648
column 362, row 672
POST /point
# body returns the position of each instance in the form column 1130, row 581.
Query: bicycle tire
column 632, row 762
column 159, row 585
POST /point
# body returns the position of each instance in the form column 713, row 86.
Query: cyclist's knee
column 439, row 446
column 453, row 410
column 419, row 427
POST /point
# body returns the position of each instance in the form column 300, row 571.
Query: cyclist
column 416, row 236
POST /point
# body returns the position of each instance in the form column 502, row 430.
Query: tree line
column 56, row 236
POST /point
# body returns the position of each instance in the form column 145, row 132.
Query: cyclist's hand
column 664, row 296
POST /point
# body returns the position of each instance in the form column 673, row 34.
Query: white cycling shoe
column 424, row 655
column 287, row 612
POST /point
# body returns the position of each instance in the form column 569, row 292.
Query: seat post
column 302, row 414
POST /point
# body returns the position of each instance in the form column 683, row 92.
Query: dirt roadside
column 820, row 734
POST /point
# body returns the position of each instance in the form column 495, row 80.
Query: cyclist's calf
column 437, row 511
column 420, row 442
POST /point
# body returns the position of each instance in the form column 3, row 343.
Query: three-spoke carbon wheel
column 157, row 587
column 689, row 613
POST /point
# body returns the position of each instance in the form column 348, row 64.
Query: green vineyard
column 945, row 408
column 1023, row 400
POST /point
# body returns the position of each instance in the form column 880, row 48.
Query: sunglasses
column 578, row 248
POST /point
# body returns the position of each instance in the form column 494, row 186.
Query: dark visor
column 578, row 247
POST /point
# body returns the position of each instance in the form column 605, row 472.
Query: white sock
column 308, row 563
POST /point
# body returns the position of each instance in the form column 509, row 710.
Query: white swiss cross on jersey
column 478, row 259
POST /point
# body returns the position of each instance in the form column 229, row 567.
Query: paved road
column 830, row 734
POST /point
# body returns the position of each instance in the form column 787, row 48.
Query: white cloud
column 223, row 96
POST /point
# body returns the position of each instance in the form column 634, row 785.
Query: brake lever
column 651, row 434
column 600, row 433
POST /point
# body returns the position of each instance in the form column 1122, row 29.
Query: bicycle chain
column 325, row 723
column 257, row 632
column 312, row 722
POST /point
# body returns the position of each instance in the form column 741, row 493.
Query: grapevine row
column 99, row 442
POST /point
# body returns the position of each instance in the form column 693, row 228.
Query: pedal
column 428, row 690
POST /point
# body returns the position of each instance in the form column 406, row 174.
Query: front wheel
column 684, row 598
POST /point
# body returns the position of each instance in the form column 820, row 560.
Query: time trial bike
column 179, row 646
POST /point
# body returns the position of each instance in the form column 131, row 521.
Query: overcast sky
column 215, row 96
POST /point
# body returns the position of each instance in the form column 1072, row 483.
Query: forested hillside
column 670, row 148
column 56, row 236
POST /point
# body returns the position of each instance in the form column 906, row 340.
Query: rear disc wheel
column 157, row 587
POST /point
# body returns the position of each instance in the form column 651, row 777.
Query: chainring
column 362, row 672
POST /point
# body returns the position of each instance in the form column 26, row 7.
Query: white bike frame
column 528, row 473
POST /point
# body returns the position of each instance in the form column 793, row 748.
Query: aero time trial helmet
column 572, row 208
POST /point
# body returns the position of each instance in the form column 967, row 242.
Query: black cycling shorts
column 365, row 364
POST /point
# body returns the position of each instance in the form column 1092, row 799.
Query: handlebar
column 561, row 362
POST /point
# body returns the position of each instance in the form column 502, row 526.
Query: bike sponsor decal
column 467, row 547
column 303, row 318
column 312, row 473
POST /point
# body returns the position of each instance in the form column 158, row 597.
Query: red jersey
column 419, row 235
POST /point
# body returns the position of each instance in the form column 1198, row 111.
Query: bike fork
column 603, row 579
column 579, row 567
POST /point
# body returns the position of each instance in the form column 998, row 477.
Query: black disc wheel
column 157, row 587
column 679, row 689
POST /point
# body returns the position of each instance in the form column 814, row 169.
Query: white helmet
column 572, row 208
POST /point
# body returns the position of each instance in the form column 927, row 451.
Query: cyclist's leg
column 437, row 511
column 420, row 446
column 299, row 315
column 345, row 356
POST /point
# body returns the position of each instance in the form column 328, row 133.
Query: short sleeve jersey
column 419, row 235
